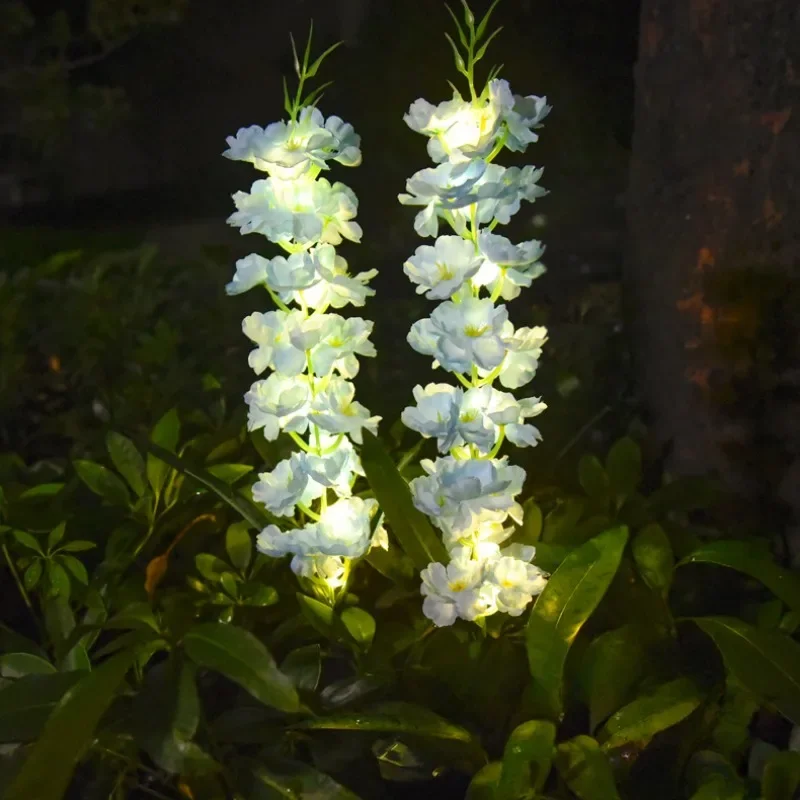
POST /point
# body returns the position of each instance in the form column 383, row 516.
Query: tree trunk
column 714, row 219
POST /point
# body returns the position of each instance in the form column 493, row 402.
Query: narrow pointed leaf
column 571, row 595
column 281, row 779
column 527, row 759
column 26, row 704
column 165, row 435
column 128, row 461
column 103, row 482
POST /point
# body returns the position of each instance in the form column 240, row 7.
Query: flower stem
column 278, row 302
column 498, row 444
column 464, row 382
column 300, row 443
column 308, row 512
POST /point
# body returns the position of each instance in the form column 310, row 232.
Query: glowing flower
column 286, row 486
column 522, row 358
column 331, row 570
column 450, row 589
column 441, row 270
column 484, row 533
column 340, row 341
column 250, row 271
column 515, row 265
column 517, row 581
column 282, row 340
column 334, row 470
column 278, row 404
column 303, row 211
column 436, row 413
column 500, row 191
column 521, row 121
column 335, row 410
column 333, row 286
column 459, row 335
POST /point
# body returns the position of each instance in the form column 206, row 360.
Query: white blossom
column 250, row 271
column 278, row 404
column 286, row 486
column 331, row 570
column 523, row 119
column 459, row 335
column 436, row 413
column 516, row 580
column 515, row 265
column 441, row 270
column 522, row 358
column 340, row 341
column 449, row 590
column 282, row 339
column 335, row 410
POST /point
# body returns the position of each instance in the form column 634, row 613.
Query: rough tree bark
column 714, row 234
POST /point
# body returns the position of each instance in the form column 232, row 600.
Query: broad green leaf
column 209, row 566
column 593, row 478
column 167, row 712
column 752, row 560
column 652, row 713
column 652, row 553
column 256, row 516
column 585, row 769
column 409, row 525
column 624, row 467
column 710, row 776
column 360, row 625
column 74, row 568
column 527, row 759
column 304, row 667
column 165, row 435
column 686, row 493
column 239, row 544
column 609, row 670
column 281, row 779
column 781, row 777
column 320, row 616
column 58, row 579
column 765, row 662
column 103, row 482
column 27, row 702
column 69, row 732
column 240, row 656
column 128, row 461
column 571, row 595
column 32, row 574
column 27, row 540
column 731, row 733
column 17, row 665
column 229, row 473
column 485, row 781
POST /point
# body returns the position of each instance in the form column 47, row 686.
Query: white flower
column 500, row 191
column 441, row 270
column 516, row 580
column 331, row 570
column 515, row 265
column 461, row 130
column 342, row 530
column 287, row 277
column 340, row 341
column 380, row 538
column 304, row 211
column 454, row 491
column 448, row 589
column 484, row 533
column 459, row 335
column 521, row 121
column 441, row 190
column 522, row 358
column 282, row 340
column 333, row 470
column 288, row 150
column 278, row 404
column 250, row 271
column 286, row 486
column 335, row 410
column 436, row 413
column 333, row 286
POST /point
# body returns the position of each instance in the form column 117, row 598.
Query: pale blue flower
column 459, row 335
column 250, row 271
column 347, row 143
column 288, row 276
column 286, row 486
column 302, row 211
column 442, row 269
column 455, row 490
column 335, row 410
column 436, row 413
column 517, row 264
column 522, row 358
column 523, row 119
column 340, row 341
column 277, row 404
column 336, row 470
column 500, row 191
column 282, row 340
column 485, row 532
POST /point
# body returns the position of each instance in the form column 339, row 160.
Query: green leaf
column 69, row 732
column 239, row 545
column 481, row 29
column 462, row 37
column 26, row 704
column 562, row 520
column 457, row 57
column 165, row 435
column 360, row 625
column 409, row 525
column 167, row 712
column 56, row 535
column 312, row 70
column 17, row 665
column 765, row 662
column 58, row 578
column 652, row 713
column 26, row 540
column 78, row 545
column 103, row 482
column 240, row 656
column 485, row 781
column 752, row 560
column 585, row 769
column 128, row 461
column 257, row 517
column 624, row 467
column 43, row 490
column 527, row 759
column 781, row 777
column 32, row 574
column 652, row 553
column 281, row 779
column 75, row 568
column 319, row 615
column 304, row 667
column 610, row 668
column 482, row 49
column 593, row 478
column 571, row 595
column 229, row 473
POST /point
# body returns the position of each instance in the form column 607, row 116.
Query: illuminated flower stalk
column 310, row 353
column 470, row 492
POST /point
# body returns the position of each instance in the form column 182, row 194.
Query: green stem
column 498, row 444
column 464, row 382
column 278, row 302
column 300, row 443
column 499, row 287
column 19, row 583
column 308, row 512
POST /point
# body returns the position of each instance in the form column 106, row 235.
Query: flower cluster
column 470, row 492
column 312, row 354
